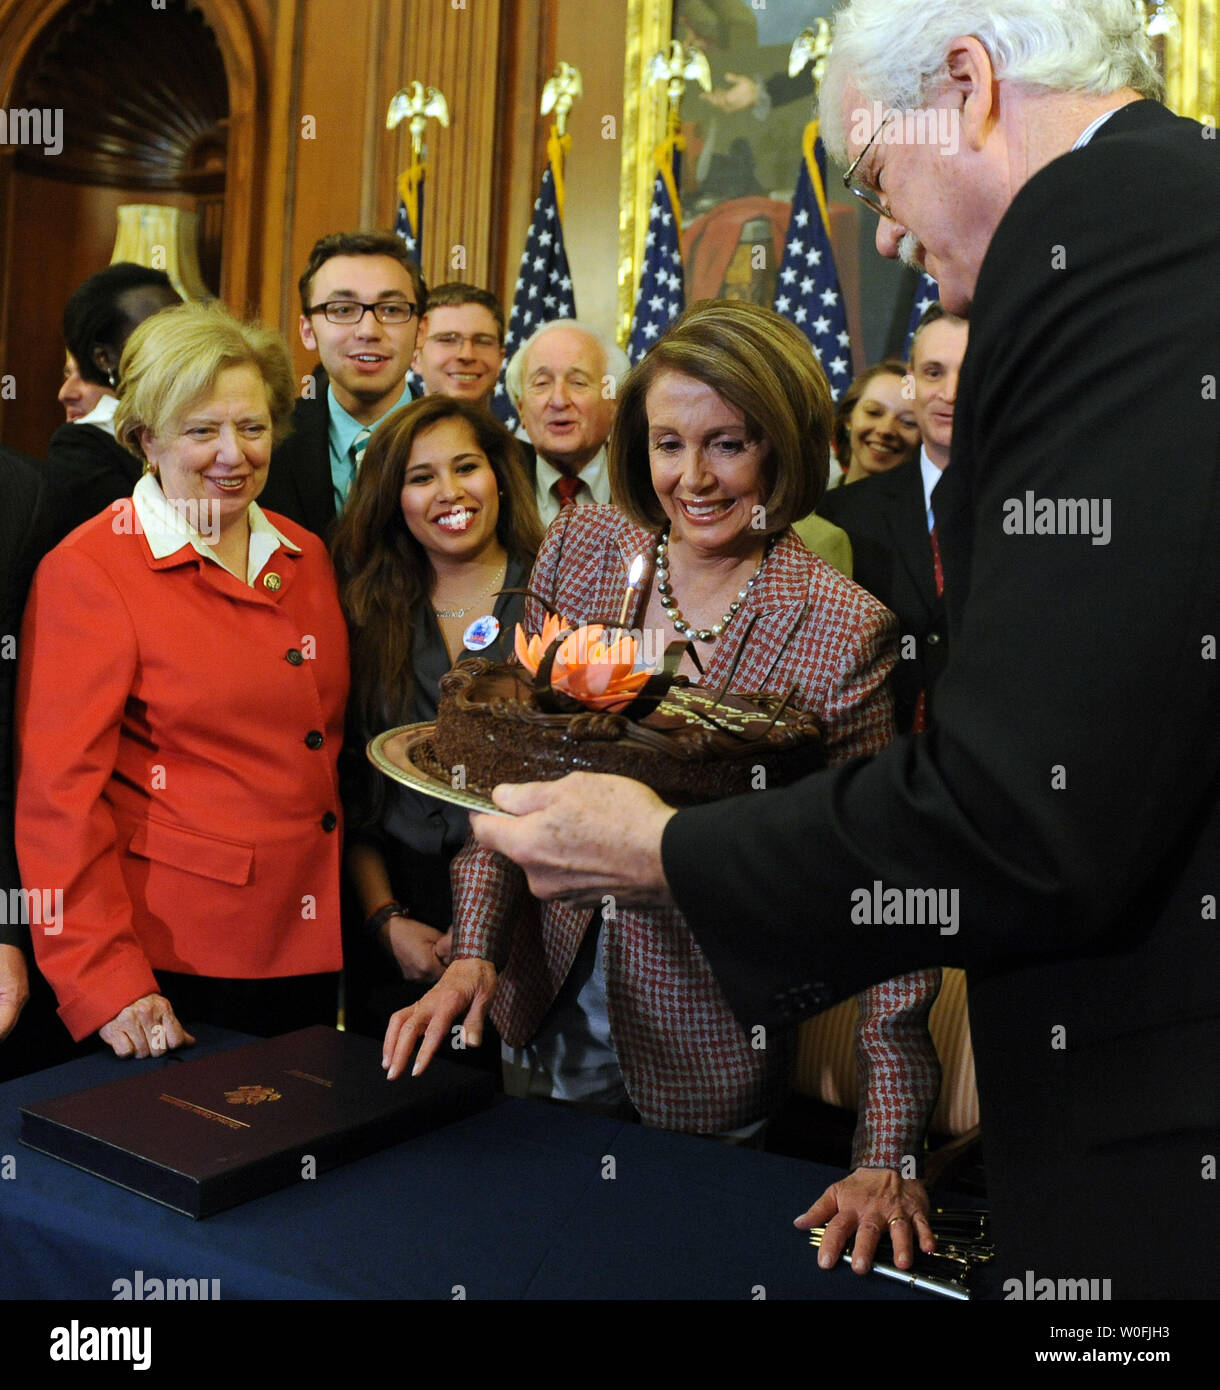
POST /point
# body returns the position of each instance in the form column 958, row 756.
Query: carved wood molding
column 241, row 30
column 142, row 96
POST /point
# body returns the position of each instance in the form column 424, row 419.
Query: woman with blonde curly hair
column 180, row 713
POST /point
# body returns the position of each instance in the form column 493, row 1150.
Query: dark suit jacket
column 299, row 483
column 86, row 470
column 885, row 518
column 1070, row 788
column 21, row 547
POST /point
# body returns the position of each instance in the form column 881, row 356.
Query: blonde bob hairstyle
column 172, row 361
column 758, row 362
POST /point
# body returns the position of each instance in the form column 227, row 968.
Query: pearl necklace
column 670, row 603
column 497, row 580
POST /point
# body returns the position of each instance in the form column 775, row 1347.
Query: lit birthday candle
column 634, row 575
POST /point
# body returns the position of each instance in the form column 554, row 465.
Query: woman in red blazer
column 180, row 706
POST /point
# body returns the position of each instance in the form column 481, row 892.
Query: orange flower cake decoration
column 530, row 652
column 594, row 665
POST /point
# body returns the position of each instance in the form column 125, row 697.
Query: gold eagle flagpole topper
column 415, row 104
column 810, row 46
column 675, row 67
column 562, row 89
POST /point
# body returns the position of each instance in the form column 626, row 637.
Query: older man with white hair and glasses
column 1066, row 796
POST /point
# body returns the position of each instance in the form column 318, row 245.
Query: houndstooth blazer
column 686, row 1062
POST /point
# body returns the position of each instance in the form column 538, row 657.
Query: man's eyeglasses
column 484, row 342
column 349, row 311
column 869, row 196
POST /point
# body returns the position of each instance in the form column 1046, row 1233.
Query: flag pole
column 807, row 289
column 661, row 295
column 560, row 91
column 415, row 104
column 544, row 282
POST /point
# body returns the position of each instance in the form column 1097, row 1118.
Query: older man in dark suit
column 1068, row 793
column 563, row 381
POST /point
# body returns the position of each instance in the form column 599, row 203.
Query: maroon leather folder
column 203, row 1135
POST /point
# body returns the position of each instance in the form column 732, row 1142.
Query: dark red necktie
column 937, row 568
column 920, row 722
column 567, row 489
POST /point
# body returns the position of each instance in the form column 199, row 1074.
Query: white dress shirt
column 102, row 414
column 931, row 476
column 594, row 479
column 167, row 528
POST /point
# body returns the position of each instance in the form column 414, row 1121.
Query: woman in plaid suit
column 721, row 441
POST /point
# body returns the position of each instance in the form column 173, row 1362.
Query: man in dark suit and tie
column 1065, row 802
column 889, row 519
column 361, row 301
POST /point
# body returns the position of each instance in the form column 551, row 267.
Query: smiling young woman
column 440, row 519
column 875, row 428
column 451, row 505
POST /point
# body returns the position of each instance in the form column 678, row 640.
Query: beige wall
column 592, row 36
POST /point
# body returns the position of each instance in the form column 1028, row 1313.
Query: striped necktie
column 355, row 454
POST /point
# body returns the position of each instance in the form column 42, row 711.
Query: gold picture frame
column 1192, row 72
column 1192, row 61
column 649, row 25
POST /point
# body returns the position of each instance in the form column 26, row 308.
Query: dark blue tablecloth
column 524, row 1200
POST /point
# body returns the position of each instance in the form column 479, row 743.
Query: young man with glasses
column 461, row 343
column 361, row 301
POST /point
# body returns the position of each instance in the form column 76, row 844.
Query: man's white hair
column 893, row 51
column 617, row 364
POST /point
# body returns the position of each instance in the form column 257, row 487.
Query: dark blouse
column 86, row 470
column 418, row 834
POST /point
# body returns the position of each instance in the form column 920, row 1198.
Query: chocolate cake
column 691, row 748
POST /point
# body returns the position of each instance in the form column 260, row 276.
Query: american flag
column 409, row 223
column 927, row 292
column 661, row 296
column 807, row 290
column 544, row 282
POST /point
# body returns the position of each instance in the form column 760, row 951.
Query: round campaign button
column 481, row 633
